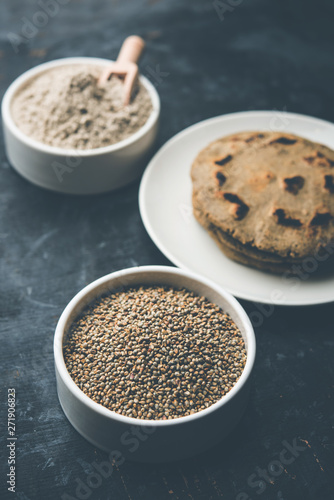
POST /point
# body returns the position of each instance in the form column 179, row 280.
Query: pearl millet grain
column 154, row 352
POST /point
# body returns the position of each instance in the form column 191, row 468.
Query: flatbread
column 267, row 198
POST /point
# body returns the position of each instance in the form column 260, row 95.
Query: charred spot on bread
column 220, row 177
column 286, row 141
column 223, row 161
column 329, row 183
column 294, row 184
column 240, row 208
column 321, row 219
column 285, row 220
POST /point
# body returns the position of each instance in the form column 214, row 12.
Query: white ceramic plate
column 166, row 211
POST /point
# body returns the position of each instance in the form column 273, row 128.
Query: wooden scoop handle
column 131, row 49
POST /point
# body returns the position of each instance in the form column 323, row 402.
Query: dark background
column 262, row 55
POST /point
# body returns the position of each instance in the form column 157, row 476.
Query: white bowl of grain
column 76, row 170
column 147, row 439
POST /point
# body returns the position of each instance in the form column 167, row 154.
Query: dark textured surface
column 263, row 55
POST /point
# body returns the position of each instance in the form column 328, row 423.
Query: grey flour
column 65, row 107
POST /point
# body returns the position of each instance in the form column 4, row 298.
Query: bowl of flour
column 66, row 133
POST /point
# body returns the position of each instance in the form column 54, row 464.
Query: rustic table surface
column 206, row 59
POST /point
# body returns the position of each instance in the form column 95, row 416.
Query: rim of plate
column 161, row 246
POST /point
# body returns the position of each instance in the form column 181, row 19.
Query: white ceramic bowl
column 152, row 440
column 78, row 171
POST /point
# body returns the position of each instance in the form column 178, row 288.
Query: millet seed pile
column 154, row 352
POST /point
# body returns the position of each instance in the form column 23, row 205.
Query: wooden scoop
column 126, row 66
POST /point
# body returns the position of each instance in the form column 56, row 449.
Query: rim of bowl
column 45, row 148
column 112, row 415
